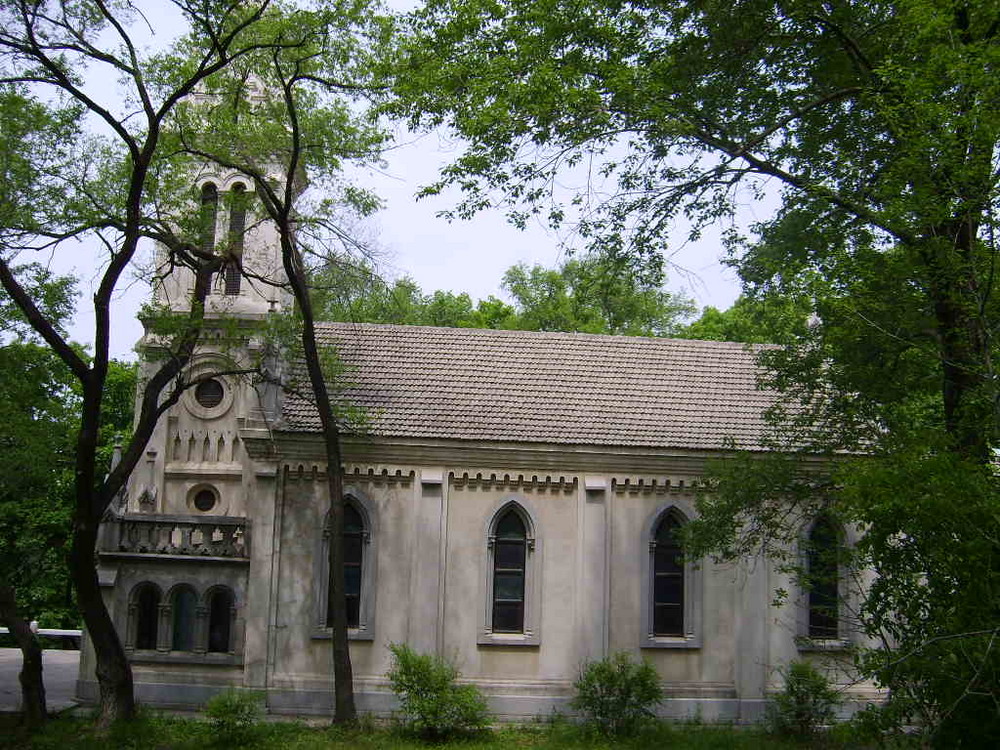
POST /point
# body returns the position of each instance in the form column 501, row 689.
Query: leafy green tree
column 587, row 295
column 124, row 181
column 876, row 123
column 771, row 320
column 595, row 294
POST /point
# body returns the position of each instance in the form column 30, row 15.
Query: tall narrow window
column 823, row 572
column 509, row 553
column 220, row 617
column 668, row 578
column 354, row 538
column 208, row 217
column 183, row 605
column 147, row 616
column 237, row 228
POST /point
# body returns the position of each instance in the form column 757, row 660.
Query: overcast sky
column 463, row 256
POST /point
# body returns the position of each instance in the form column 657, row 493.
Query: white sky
column 464, row 256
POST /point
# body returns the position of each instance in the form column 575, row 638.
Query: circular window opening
column 204, row 500
column 209, row 393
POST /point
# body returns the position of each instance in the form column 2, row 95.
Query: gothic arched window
column 668, row 578
column 237, row 229
column 823, row 576
column 512, row 586
column 209, row 216
column 354, row 539
column 359, row 571
column 509, row 564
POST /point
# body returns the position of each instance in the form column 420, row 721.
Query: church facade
column 513, row 502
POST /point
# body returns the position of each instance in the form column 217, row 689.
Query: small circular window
column 204, row 500
column 209, row 393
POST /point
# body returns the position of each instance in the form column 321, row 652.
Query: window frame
column 530, row 634
column 365, row 631
column 693, row 593
column 163, row 651
column 134, row 616
column 805, row 640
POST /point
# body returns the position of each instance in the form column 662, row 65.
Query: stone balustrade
column 201, row 536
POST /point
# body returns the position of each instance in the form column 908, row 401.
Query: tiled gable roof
column 566, row 388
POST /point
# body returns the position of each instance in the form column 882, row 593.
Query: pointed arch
column 359, row 569
column 209, row 216
column 237, row 231
column 672, row 602
column 511, row 573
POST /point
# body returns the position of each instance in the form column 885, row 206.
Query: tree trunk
column 114, row 675
column 344, row 710
column 32, row 686
column 966, row 390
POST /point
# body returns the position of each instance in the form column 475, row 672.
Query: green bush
column 432, row 704
column 617, row 695
column 807, row 702
column 234, row 715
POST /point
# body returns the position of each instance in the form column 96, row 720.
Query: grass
column 154, row 731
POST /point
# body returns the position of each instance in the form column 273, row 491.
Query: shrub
column 806, row 702
column 234, row 715
column 616, row 695
column 432, row 704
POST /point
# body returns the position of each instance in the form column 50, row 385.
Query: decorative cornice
column 647, row 485
column 492, row 480
column 374, row 474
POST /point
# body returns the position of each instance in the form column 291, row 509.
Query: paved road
column 59, row 670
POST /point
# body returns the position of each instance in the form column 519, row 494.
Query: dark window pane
column 510, row 526
column 668, row 560
column 353, row 604
column 237, row 229
column 668, row 578
column 352, row 521
column 352, row 549
column 823, row 579
column 668, row 619
column 204, row 500
column 510, row 555
column 508, row 617
column 352, row 580
column 209, row 212
column 183, row 610
column 147, row 618
column 508, row 587
column 665, row 531
column 219, row 621
column 669, row 589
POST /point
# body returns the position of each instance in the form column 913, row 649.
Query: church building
column 513, row 505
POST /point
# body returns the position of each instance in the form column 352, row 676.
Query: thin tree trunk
column 32, row 686
column 344, row 710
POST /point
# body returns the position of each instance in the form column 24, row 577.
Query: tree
column 283, row 117
column 588, row 295
column 120, row 183
column 772, row 320
column 37, row 409
column 875, row 122
column 597, row 293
